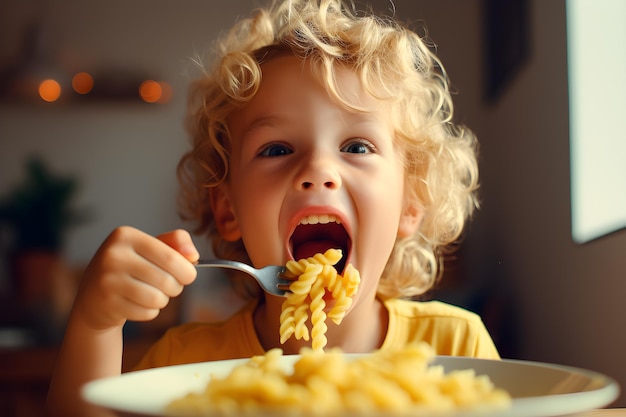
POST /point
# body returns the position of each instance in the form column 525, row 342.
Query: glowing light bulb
column 82, row 83
column 150, row 91
column 49, row 90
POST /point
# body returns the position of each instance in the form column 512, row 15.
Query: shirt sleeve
column 448, row 329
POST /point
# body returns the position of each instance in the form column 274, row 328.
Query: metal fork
column 268, row 277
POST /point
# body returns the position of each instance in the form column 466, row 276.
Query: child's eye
column 358, row 146
column 275, row 149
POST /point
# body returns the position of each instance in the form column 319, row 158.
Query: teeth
column 321, row 219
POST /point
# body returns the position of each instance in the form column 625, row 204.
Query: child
column 316, row 129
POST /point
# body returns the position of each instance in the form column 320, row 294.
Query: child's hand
column 134, row 275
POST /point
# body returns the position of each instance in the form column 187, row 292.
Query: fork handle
column 224, row 263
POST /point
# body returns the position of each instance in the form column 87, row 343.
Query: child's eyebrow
column 262, row 121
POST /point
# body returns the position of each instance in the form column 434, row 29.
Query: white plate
column 538, row 389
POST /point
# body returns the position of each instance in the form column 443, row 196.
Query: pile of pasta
column 393, row 382
column 315, row 276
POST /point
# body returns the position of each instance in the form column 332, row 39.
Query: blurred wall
column 124, row 153
column 568, row 299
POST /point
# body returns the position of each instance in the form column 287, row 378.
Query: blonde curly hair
column 395, row 65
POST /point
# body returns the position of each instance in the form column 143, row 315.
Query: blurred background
column 98, row 150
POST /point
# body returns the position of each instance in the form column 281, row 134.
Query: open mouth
column 318, row 233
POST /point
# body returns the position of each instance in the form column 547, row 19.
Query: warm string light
column 152, row 91
column 149, row 91
column 82, row 83
column 49, row 90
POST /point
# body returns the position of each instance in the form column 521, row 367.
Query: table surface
column 608, row 412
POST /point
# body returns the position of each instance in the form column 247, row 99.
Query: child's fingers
column 181, row 241
column 162, row 253
column 145, row 296
column 179, row 261
column 169, row 283
column 131, row 309
column 134, row 275
column 163, row 263
column 137, row 298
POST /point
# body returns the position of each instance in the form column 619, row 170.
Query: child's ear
column 225, row 219
column 410, row 219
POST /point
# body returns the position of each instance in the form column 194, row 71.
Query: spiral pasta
column 315, row 276
column 393, row 382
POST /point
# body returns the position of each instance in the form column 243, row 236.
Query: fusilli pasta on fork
column 315, row 276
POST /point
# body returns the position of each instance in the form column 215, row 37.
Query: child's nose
column 317, row 173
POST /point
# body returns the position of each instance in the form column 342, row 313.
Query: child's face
column 300, row 157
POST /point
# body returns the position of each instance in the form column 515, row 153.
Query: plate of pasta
column 406, row 382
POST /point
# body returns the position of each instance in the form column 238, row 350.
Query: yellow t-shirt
column 448, row 329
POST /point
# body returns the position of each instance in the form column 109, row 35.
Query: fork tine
column 270, row 278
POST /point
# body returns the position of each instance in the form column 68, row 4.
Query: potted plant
column 36, row 216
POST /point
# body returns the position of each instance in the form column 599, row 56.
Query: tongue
column 313, row 247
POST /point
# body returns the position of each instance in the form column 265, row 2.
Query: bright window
column 597, row 89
